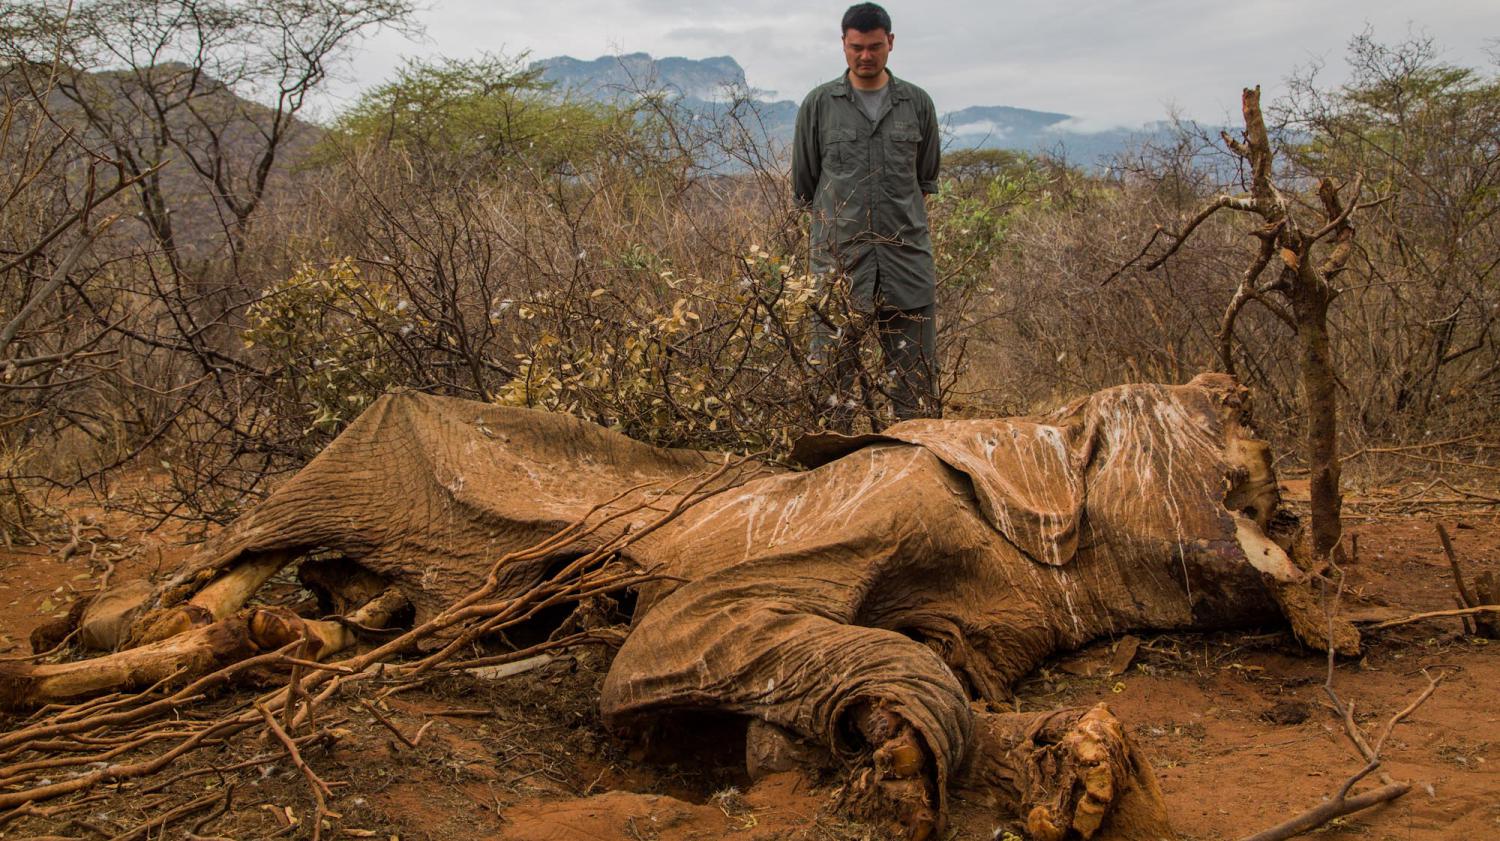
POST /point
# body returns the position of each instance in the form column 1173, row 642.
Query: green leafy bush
column 324, row 333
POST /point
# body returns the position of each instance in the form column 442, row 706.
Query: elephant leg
column 899, row 783
column 1065, row 774
column 883, row 704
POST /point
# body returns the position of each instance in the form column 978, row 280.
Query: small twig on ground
column 18, row 658
column 223, row 809
column 316, row 666
column 321, row 791
column 295, row 694
column 1458, row 575
column 104, row 577
column 1325, row 812
column 1422, row 445
column 31, row 810
column 75, row 541
column 1436, row 614
column 1341, row 803
column 1385, row 733
column 145, row 829
column 1467, row 622
column 387, row 723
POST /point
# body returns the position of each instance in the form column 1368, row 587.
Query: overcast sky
column 1106, row 62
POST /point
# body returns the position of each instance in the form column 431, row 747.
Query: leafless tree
column 1298, row 291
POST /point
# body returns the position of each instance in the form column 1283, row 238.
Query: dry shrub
column 637, row 291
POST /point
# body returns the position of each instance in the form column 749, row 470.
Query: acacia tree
column 1299, row 291
column 1427, row 136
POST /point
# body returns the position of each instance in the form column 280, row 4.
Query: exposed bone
column 379, row 611
column 217, row 600
column 195, row 652
column 1256, row 493
column 226, row 594
column 275, row 628
column 505, row 670
column 326, row 637
column 1264, row 553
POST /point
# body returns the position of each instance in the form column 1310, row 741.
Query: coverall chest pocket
column 841, row 151
column 902, row 140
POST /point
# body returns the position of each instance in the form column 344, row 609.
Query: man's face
column 867, row 52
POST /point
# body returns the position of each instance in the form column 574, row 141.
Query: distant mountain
column 610, row 76
column 702, row 85
column 1021, row 129
column 219, row 125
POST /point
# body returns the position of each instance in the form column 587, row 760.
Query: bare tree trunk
column 1320, row 397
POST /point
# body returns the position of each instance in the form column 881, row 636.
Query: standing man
column 864, row 158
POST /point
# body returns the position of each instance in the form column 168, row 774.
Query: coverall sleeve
column 929, row 150
column 807, row 155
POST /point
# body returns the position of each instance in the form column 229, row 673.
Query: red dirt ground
column 1236, row 724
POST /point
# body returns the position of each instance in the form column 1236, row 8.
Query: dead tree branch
column 1437, row 614
column 1458, row 576
column 1325, row 812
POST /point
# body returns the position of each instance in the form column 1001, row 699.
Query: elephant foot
column 897, row 787
column 1071, row 774
column 1075, row 780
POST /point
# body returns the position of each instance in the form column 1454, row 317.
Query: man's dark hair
column 866, row 17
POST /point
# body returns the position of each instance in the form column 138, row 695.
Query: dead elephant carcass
column 866, row 610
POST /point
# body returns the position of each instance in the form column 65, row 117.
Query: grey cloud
column 1102, row 60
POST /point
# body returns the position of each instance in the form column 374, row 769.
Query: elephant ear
column 1025, row 474
column 816, row 449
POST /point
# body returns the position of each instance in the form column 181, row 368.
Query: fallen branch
column 320, row 790
column 387, row 723
column 1483, row 591
column 114, row 773
column 1458, row 575
column 1424, row 445
column 1436, row 614
column 1325, row 812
